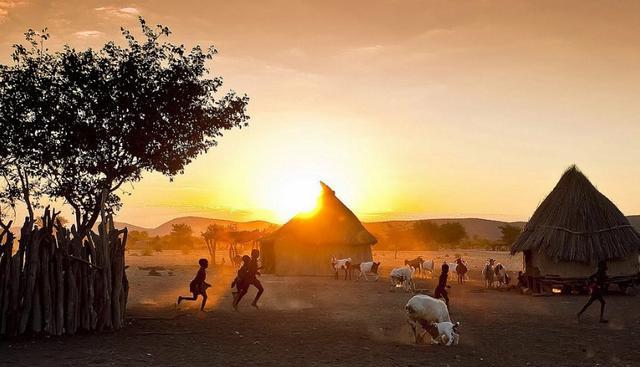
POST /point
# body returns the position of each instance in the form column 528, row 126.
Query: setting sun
column 292, row 195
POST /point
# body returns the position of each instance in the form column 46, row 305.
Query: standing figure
column 596, row 289
column 198, row 286
column 441, row 291
column 253, row 270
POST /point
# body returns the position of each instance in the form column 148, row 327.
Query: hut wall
column 564, row 269
column 294, row 258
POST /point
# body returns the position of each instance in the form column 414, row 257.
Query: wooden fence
column 55, row 283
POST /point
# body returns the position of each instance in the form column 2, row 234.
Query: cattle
column 402, row 276
column 367, row 267
column 423, row 311
column 415, row 264
column 447, row 332
column 341, row 264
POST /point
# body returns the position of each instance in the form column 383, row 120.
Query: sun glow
column 293, row 195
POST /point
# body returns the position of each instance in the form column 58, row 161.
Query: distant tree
column 427, row 231
column 85, row 123
column 452, row 233
column 510, row 233
column 182, row 236
column 211, row 235
column 156, row 244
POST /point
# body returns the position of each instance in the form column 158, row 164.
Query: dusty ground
column 311, row 321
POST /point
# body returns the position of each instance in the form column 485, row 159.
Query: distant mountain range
column 482, row 228
column 198, row 225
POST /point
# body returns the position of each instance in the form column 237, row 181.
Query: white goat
column 403, row 276
column 341, row 264
column 368, row 267
column 447, row 333
column 423, row 310
column 501, row 276
column 427, row 265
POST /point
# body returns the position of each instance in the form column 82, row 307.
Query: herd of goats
column 493, row 273
column 424, row 311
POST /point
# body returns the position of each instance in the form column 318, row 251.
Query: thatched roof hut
column 305, row 244
column 575, row 227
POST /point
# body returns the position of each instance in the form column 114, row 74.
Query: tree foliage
column 446, row 233
column 80, row 124
column 510, row 233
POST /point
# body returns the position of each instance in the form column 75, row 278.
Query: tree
column 427, row 231
column 98, row 120
column 182, row 235
column 509, row 233
column 210, row 236
column 452, row 233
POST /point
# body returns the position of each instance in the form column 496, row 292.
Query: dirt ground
column 318, row 321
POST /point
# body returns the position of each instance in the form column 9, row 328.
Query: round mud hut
column 307, row 242
column 573, row 229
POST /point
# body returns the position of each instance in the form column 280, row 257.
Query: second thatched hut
column 573, row 229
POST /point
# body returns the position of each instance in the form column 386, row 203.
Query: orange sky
column 406, row 108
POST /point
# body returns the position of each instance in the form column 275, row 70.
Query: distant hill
column 482, row 228
column 198, row 224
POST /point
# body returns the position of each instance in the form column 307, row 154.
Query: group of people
column 246, row 276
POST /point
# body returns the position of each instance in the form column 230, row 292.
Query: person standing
column 596, row 287
column 253, row 270
column 441, row 289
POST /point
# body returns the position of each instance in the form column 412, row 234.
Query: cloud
column 112, row 11
column 88, row 34
column 6, row 5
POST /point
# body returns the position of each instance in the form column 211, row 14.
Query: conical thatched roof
column 578, row 223
column 331, row 224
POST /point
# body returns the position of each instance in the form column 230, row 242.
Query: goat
column 501, row 275
column 342, row 264
column 423, row 310
column 415, row 264
column 446, row 330
column 367, row 267
column 403, row 276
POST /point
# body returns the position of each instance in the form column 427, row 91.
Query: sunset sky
column 406, row 109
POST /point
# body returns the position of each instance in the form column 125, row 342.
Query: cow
column 402, row 276
column 367, row 267
column 341, row 264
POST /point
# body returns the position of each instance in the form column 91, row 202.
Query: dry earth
column 316, row 321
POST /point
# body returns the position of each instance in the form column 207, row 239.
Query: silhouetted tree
column 427, row 231
column 509, row 233
column 211, row 236
column 452, row 233
column 182, row 235
column 97, row 120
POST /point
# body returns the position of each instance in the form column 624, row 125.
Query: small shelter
column 573, row 229
column 306, row 244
